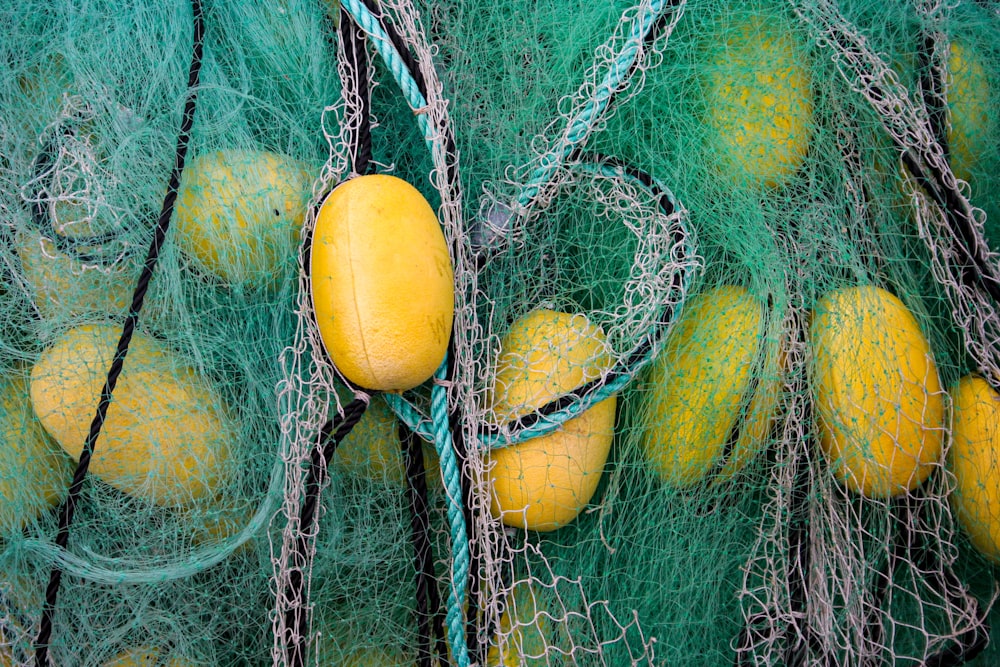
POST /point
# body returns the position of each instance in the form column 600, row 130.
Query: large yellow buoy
column 969, row 119
column 717, row 380
column 167, row 436
column 34, row 473
column 878, row 402
column 382, row 283
column 974, row 460
column 239, row 213
column 543, row 483
column 759, row 101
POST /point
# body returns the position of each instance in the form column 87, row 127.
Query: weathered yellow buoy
column 759, row 100
column 167, row 434
column 697, row 389
column 974, row 460
column 239, row 213
column 34, row 473
column 382, row 283
column 969, row 120
column 878, row 401
column 543, row 483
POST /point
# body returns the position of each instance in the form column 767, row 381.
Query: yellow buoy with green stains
column 758, row 96
column 382, row 283
column 715, row 386
column 877, row 398
column 34, row 472
column 543, row 483
column 167, row 437
column 969, row 121
column 974, row 460
column 239, row 213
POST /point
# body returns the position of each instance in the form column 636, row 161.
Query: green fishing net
column 713, row 304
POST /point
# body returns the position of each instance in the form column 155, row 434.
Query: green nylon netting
column 697, row 518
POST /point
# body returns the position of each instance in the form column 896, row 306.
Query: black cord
column 68, row 506
column 331, row 435
column 357, row 55
column 430, row 618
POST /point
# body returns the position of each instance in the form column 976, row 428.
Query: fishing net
column 169, row 554
column 715, row 288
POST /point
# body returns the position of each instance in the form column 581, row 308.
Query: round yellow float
column 759, row 99
column 974, row 460
column 878, row 402
column 239, row 213
column 167, row 434
column 697, row 389
column 543, row 483
column 382, row 283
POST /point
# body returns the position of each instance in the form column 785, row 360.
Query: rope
column 428, row 611
column 450, row 476
column 68, row 507
column 340, row 426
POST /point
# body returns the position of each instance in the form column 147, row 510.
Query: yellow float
column 718, row 379
column 543, row 483
column 167, row 434
column 382, row 283
column 878, row 402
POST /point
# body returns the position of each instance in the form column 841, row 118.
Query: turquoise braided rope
column 383, row 45
column 441, row 434
column 409, row 415
column 549, row 423
column 582, row 125
column 450, row 476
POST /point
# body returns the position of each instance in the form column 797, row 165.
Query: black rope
column 357, row 56
column 68, row 506
column 331, row 435
column 413, row 68
column 430, row 618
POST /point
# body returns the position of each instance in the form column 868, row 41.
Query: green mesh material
column 715, row 527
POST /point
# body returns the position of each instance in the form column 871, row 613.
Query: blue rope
column 450, row 476
column 384, row 47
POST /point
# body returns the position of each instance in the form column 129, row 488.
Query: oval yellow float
column 974, row 460
column 878, row 401
column 969, row 120
column 167, row 434
column 382, row 283
column 239, row 213
column 759, row 99
column 543, row 483
column 697, row 389
column 34, row 473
